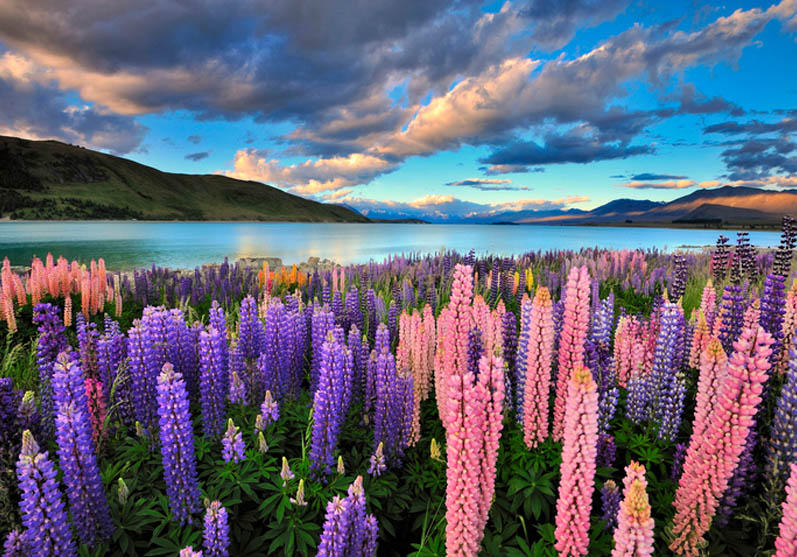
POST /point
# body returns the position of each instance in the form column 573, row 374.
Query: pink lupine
column 752, row 315
column 539, row 353
column 474, row 409
column 700, row 340
column 714, row 453
column 713, row 367
column 457, row 324
column 708, row 304
column 789, row 326
column 571, row 342
column 97, row 409
column 623, row 343
column 579, row 450
column 786, row 544
column 68, row 311
column 633, row 536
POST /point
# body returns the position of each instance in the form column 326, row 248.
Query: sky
column 432, row 109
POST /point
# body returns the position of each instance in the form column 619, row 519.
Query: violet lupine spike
column 15, row 545
column 216, row 534
column 731, row 315
column 232, row 444
column 678, row 456
column 44, row 517
column 678, row 285
column 322, row 323
column 521, row 359
column 51, row 342
column 348, row 529
column 77, row 454
column 610, row 504
column 354, row 315
column 509, row 336
column 773, row 311
column 475, row 350
column 329, row 411
column 719, row 260
column 666, row 384
column 354, row 342
column 177, row 446
column 214, row 381
column 393, row 408
column 87, row 345
column 782, row 450
column 110, row 354
column 370, row 306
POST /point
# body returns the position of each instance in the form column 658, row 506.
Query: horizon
column 441, row 110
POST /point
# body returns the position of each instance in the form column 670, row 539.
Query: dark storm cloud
column 196, row 157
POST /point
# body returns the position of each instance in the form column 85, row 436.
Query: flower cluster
column 348, row 528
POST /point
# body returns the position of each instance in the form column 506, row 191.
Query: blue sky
column 442, row 110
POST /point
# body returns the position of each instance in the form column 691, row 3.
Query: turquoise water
column 126, row 244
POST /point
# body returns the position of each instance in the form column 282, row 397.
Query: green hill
column 53, row 180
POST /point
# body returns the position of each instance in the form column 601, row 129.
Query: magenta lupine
column 537, row 384
column 571, row 344
column 633, row 536
column 232, row 444
column 44, row 517
column 579, row 452
column 216, row 534
column 348, row 529
column 786, row 544
column 177, row 446
column 713, row 456
column 214, row 381
column 77, row 454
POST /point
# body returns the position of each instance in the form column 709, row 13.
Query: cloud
column 662, row 185
column 758, row 158
column 337, row 194
column 488, row 184
column 196, row 157
column 195, row 139
column 309, row 177
column 651, row 177
column 754, row 127
column 570, row 147
column 32, row 108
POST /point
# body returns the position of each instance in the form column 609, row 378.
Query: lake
column 128, row 244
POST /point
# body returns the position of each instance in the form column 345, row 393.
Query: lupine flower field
column 598, row 402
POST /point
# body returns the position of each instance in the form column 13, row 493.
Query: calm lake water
column 126, row 244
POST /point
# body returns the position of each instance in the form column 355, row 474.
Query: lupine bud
column 341, row 468
column 262, row 446
column 122, row 492
column 377, row 461
column 285, row 473
column 299, row 499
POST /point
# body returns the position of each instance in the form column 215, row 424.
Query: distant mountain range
column 53, row 180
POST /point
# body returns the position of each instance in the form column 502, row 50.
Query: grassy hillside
column 52, row 180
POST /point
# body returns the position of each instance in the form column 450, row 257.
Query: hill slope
column 53, row 180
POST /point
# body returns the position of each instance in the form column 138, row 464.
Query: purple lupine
column 475, row 350
column 678, row 461
column 354, row 316
column 110, row 354
column 269, row 362
column 87, row 345
column 15, row 545
column 9, row 416
column 218, row 320
column 348, row 528
column 719, row 260
column 77, row 454
column 665, row 382
column 610, row 504
column 214, row 382
column 177, row 445
column 360, row 358
column 142, row 390
column 392, row 407
column 370, row 308
column 269, row 410
column 232, row 444
column 377, row 463
column 407, row 297
column 494, row 280
column 237, row 393
column 182, row 354
column 337, row 309
column 392, row 319
column 44, row 517
column 600, row 361
column 521, row 359
column 773, row 310
column 782, row 450
column 744, row 475
column 216, row 534
column 431, row 295
column 678, row 284
column 251, row 337
column 509, row 336
column 322, row 324
column 51, row 342
column 329, row 409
